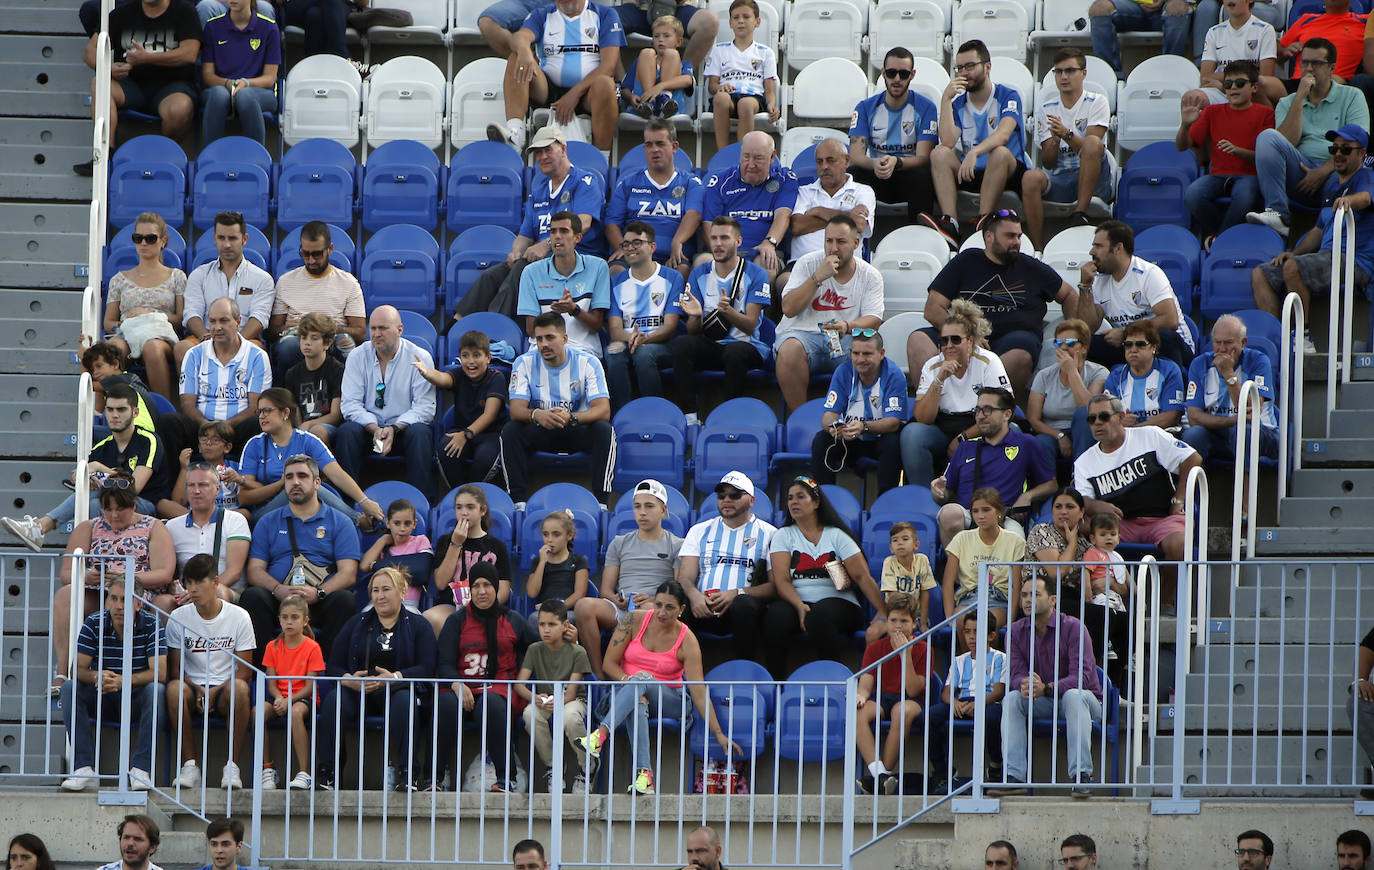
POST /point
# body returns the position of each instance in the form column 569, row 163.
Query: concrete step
column 1342, row 452
column 42, row 331
column 39, row 430
column 1356, row 394
column 33, row 749
column 24, row 678
column 1277, row 752
column 43, row 246
column 27, row 583
column 1296, row 603
column 44, row 76
column 1265, row 630
column 1275, row 660
column 1308, row 783
column 17, row 387
column 34, row 488
column 36, row 157
column 1332, row 482
column 1297, row 573
column 39, row 16
column 1250, row 701
column 1345, row 511
column 1322, row 542
column 1348, row 422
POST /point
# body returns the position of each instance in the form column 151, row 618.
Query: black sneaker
column 866, row 784
column 403, row 783
column 889, row 784
column 644, row 110
column 945, row 226
column 1010, row 788
column 668, row 109
column 1080, row 219
column 85, row 170
column 325, row 781
column 1082, row 789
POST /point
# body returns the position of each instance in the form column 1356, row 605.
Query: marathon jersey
column 1207, row 389
column 637, row 197
column 707, row 285
column 1159, row 390
column 582, row 192
column 569, row 49
column 572, row 385
column 1137, row 477
column 853, row 400
column 642, row 305
column 975, row 125
column 727, row 556
column 753, row 205
column 895, row 131
column 746, row 70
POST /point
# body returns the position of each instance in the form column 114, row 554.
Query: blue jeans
column 1080, row 435
column 79, row 703
column 1280, row 166
column 924, row 446
column 352, row 444
column 634, row 700
column 1204, row 200
column 1207, row 14
column 66, row 511
column 1130, row 17
column 1221, row 443
column 647, row 360
column 249, row 103
column 1078, row 708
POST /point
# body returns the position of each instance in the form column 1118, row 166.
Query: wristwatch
column 467, row 433
column 770, row 240
column 572, row 419
column 1233, row 380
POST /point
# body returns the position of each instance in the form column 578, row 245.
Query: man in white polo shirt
column 222, row 378
column 209, row 529
column 833, row 192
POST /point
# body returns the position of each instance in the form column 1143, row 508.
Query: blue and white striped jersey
column 222, row 389
column 727, row 555
column 572, row 385
column 642, row 305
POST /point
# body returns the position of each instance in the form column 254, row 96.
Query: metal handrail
column 1246, row 491
column 1342, row 279
column 1196, row 499
column 1291, row 370
column 1140, row 608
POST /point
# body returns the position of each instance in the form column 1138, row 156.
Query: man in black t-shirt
column 317, row 380
column 154, row 72
column 1013, row 291
column 480, row 409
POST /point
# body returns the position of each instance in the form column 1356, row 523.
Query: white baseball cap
column 653, row 488
column 739, row 480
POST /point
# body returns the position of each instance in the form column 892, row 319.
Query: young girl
column 467, row 545
column 295, row 655
column 400, row 540
column 216, row 440
column 558, row 572
column 986, row 542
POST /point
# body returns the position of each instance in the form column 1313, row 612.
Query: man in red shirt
column 1345, row 30
column 1224, row 135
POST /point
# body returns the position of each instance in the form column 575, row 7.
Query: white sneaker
column 1268, row 218
column 29, row 530
column 692, row 420
column 267, row 779
column 189, row 776
column 1308, row 346
column 513, row 134
column 140, row 779
column 579, row 785
column 81, row 779
column 231, row 777
column 301, row 781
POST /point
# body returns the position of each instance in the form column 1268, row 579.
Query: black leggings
column 828, row 627
column 492, row 714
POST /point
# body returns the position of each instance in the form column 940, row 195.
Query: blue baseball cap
column 1352, row 133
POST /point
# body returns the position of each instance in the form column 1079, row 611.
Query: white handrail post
column 1292, row 368
column 1195, row 493
column 1246, row 474
column 1139, row 605
column 1347, row 274
column 1333, row 320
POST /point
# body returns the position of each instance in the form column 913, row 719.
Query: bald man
column 387, row 404
column 761, row 194
column 704, row 850
column 222, row 378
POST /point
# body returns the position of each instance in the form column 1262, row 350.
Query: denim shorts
column 510, row 14
column 817, row 347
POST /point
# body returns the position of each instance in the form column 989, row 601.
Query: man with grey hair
column 222, row 378
column 760, row 193
column 1139, row 475
column 1214, row 382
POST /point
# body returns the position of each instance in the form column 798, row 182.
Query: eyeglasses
column 1250, row 853
column 116, row 483
column 1227, row 84
column 1343, row 150
column 966, row 67
column 1135, row 344
column 310, row 255
column 380, row 401
column 902, row 74
column 1073, row 859
column 266, row 410
column 1103, row 417
column 1068, row 70
column 863, row 333
column 145, row 238
column 630, row 244
column 731, row 494
column 1066, row 342
column 988, row 409
column 1314, row 62
column 954, row 340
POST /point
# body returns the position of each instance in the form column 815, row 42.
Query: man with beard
column 315, row 286
column 704, row 850
column 891, row 137
column 1117, row 288
column 308, row 549
column 138, row 841
column 388, row 406
column 1254, row 851
column 1078, row 852
column 862, row 415
column 659, row 195
column 208, row 528
column 1352, row 850
column 1013, row 291
column 760, row 194
column 573, row 284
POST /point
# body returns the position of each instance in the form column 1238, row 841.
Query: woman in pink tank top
column 651, row 654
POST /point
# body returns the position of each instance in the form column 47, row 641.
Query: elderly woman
column 813, row 543
column 375, row 653
column 143, row 305
column 119, row 531
column 1058, row 405
column 1149, row 386
column 948, row 391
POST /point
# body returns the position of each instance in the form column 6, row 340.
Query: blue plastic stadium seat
column 1150, row 192
column 232, row 174
column 148, row 173
column 811, row 713
column 801, row 427
column 485, row 186
column 622, row 518
column 1261, row 324
column 257, row 243
column 845, row 503
column 633, row 160
column 120, row 253
column 587, row 520
column 387, row 491
column 739, row 435
column 1178, row 252
column 763, row 507
column 1226, row 269
column 502, row 518
column 498, row 327
column 804, row 165
column 288, row 252
column 317, row 180
column 651, row 441
column 724, row 160
column 401, row 183
column 474, row 251
column 415, row 327
column 400, row 265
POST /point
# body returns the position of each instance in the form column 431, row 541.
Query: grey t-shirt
column 559, row 664
column 1059, row 402
column 643, row 564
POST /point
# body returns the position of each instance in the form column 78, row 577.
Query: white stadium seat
column 929, row 78
column 430, row 20
column 798, row 139
column 1002, row 25
column 1068, row 251
column 828, row 90
column 322, row 98
column 476, row 100
column 825, row 30
column 896, row 329
column 1099, row 79
column 405, row 100
column 1147, row 102
column 909, row 258
column 920, row 26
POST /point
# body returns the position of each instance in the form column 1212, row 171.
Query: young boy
column 1224, row 136
column 216, row 439
column 900, row 692
column 742, row 75
column 1108, row 573
column 317, row 380
column 957, row 699
column 905, row 571
column 651, row 87
column 554, row 659
column 1242, row 36
column 480, row 409
column 105, row 364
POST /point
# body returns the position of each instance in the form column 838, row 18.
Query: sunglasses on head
column 1135, row 343
column 902, row 74
column 200, row 465
column 116, row 483
column 145, row 238
column 1343, row 150
column 1006, row 213
column 1101, row 417
column 1227, row 84
column 863, row 333
column 1066, row 342
column 954, row 340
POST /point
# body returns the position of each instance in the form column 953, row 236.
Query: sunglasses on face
column 954, row 340
column 1135, row 344
column 1227, row 84
column 863, row 333
column 1066, row 342
column 145, row 238
column 1103, row 417
column 731, row 494
column 1343, row 150
column 902, row 74
column 310, row 255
